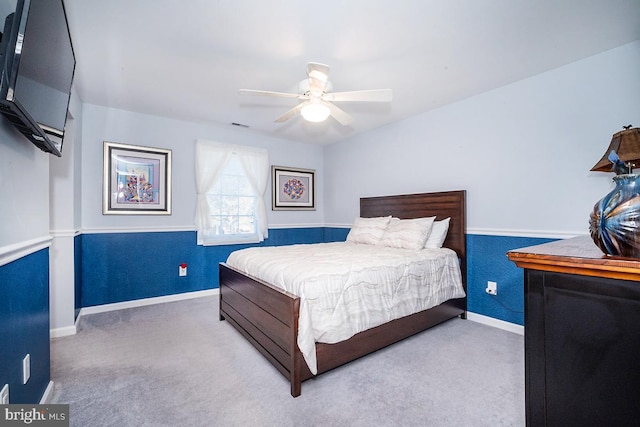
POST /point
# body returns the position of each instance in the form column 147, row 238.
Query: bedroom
column 522, row 151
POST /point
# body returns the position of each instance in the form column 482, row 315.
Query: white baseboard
column 496, row 323
column 62, row 332
column 71, row 330
column 47, row 393
column 146, row 301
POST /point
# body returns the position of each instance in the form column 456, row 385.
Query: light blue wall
column 523, row 151
column 107, row 124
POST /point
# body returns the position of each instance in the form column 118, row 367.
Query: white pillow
column 438, row 234
column 407, row 233
column 368, row 230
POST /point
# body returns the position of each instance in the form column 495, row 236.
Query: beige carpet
column 176, row 364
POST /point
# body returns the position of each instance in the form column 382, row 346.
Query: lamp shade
column 626, row 143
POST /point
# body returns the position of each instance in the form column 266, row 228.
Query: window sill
column 230, row 242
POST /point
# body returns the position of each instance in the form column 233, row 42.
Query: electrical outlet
column 4, row 395
column 492, row 288
column 26, row 369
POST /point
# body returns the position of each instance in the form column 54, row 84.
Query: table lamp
column 615, row 221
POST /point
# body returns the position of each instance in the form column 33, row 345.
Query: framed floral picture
column 136, row 181
column 293, row 189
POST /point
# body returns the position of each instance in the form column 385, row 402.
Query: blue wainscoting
column 119, row 267
column 24, row 325
column 332, row 234
column 487, row 261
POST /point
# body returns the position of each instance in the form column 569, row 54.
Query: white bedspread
column 346, row 288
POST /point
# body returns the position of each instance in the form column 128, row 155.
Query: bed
column 268, row 317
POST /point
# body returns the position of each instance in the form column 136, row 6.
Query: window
column 232, row 203
column 231, row 183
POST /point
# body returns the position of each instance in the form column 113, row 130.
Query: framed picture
column 136, row 181
column 293, row 189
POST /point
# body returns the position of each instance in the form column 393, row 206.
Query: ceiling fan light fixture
column 317, row 98
column 315, row 112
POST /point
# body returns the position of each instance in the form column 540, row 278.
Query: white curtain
column 256, row 167
column 210, row 159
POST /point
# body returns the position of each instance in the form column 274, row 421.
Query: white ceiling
column 186, row 59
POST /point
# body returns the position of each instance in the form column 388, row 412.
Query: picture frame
column 136, row 180
column 293, row 188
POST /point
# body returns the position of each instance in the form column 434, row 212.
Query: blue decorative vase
column 615, row 221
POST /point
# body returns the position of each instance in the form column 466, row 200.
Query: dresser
column 582, row 335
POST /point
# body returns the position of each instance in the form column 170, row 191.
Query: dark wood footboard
column 267, row 317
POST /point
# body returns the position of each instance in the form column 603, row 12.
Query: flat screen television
column 38, row 64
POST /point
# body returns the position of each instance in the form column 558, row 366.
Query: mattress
column 346, row 288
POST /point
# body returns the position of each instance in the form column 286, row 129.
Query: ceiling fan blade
column 318, row 76
column 269, row 93
column 343, row 118
column 374, row 95
column 291, row 113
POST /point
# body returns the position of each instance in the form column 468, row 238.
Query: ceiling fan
column 318, row 100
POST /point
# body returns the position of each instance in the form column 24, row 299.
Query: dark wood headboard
column 446, row 204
